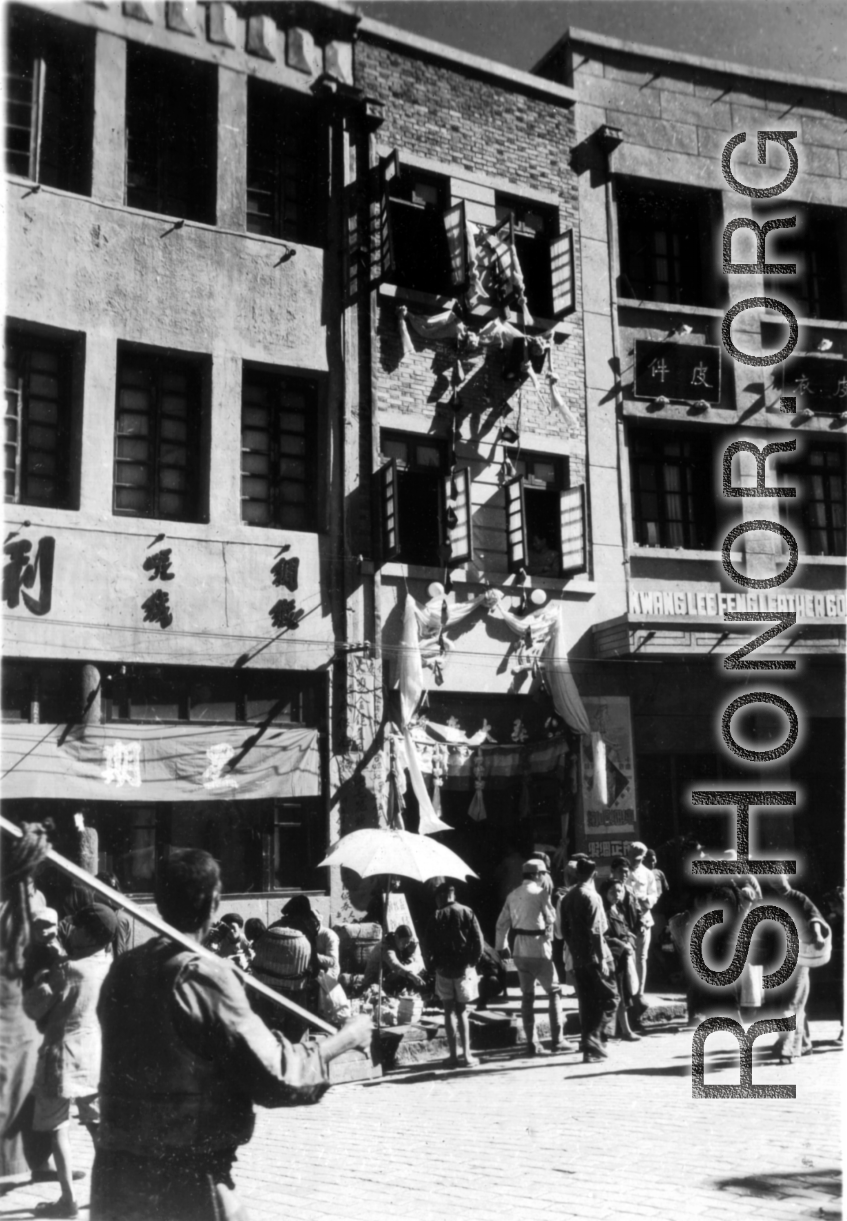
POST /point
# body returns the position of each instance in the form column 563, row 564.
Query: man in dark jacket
column 453, row 946
column 184, row 1060
column 584, row 926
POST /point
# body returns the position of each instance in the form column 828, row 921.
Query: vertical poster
column 607, row 827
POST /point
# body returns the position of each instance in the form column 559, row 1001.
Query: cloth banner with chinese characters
column 142, row 763
column 498, row 762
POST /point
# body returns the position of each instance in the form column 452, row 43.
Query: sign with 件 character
column 687, row 371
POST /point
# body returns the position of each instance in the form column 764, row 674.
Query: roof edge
column 575, row 34
column 525, row 82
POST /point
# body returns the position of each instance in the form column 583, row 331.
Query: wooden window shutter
column 562, row 274
column 572, row 530
column 384, row 263
column 516, row 540
column 388, row 511
column 454, row 227
column 459, row 527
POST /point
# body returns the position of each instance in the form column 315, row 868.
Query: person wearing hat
column 529, row 917
column 584, row 926
column 642, row 886
column 453, row 947
column 63, row 1002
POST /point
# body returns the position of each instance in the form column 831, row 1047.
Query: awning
column 142, row 763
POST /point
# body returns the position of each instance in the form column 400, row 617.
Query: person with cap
column 528, row 915
column 63, row 1002
column 397, row 952
column 584, row 926
column 185, row 1059
column 644, row 890
column 452, row 948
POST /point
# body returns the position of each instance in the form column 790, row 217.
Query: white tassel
column 556, row 400
column 406, row 345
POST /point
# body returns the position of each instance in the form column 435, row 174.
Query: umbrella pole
column 384, row 935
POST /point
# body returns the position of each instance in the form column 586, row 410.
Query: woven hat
column 282, row 956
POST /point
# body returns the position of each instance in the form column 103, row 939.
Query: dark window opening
column 46, row 692
column 171, row 109
column 209, row 696
column 286, row 165
column 534, row 227
column 421, row 468
column 279, row 451
column 37, row 420
column 157, row 436
column 818, row 247
column 672, row 495
column 665, row 244
column 417, row 205
column 49, row 101
column 819, row 474
column 544, row 478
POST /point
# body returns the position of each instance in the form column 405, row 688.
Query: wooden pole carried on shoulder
column 154, row 922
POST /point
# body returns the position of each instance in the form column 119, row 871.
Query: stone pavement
column 522, row 1137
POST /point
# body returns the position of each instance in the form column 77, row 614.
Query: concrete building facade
column 665, row 399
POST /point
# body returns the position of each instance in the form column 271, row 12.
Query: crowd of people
column 164, row 1053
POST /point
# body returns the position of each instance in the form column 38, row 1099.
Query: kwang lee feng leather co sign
column 696, row 605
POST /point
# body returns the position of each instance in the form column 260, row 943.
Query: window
column 38, row 419
column 534, row 227
column 819, row 478
column 545, row 518
column 49, row 100
column 286, row 165
column 157, row 436
column 672, row 495
column 171, row 121
column 279, row 451
column 418, row 241
column 46, row 692
column 413, row 499
column 665, row 244
column 818, row 247
column 298, row 843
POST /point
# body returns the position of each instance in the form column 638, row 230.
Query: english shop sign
column 742, row 800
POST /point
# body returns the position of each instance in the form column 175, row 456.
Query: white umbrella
column 382, row 850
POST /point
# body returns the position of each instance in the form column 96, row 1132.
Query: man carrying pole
column 184, row 1060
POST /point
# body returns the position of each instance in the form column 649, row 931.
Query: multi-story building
column 664, row 399
column 174, row 583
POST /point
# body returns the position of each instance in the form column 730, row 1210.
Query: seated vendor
column 397, row 951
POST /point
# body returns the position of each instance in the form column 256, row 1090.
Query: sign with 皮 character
column 687, row 371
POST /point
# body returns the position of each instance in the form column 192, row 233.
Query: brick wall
column 443, row 114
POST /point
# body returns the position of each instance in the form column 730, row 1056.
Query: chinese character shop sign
column 689, row 372
column 157, row 606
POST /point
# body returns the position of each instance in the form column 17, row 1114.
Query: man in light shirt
column 642, row 886
column 529, row 915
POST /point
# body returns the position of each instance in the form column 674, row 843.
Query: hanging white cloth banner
column 568, row 704
column 600, row 783
column 410, row 684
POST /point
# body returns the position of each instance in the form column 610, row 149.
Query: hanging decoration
column 477, row 809
column 396, row 804
column 557, row 401
column 439, row 759
column 534, row 631
column 411, row 686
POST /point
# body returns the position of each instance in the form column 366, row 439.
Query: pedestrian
column 584, row 926
column 621, row 942
column 642, row 886
column 397, row 952
column 254, row 928
column 793, row 996
column 63, row 1003
column 528, row 915
column 452, row 948
column 123, row 933
column 185, row 1059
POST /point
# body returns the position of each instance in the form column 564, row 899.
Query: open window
column 49, row 101
column 171, row 108
column 545, row 258
column 416, row 497
column 287, row 165
column 667, row 248
column 415, row 220
column 818, row 246
column 545, row 519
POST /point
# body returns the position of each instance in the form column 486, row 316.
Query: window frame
column 277, row 381
column 818, row 247
column 571, row 504
column 389, row 484
column 539, row 300
column 800, row 473
column 690, row 213
column 698, row 493
column 166, row 114
column 163, row 361
column 400, row 179
column 286, row 115
column 65, row 348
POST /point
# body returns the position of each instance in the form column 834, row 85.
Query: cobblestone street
column 516, row 1136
